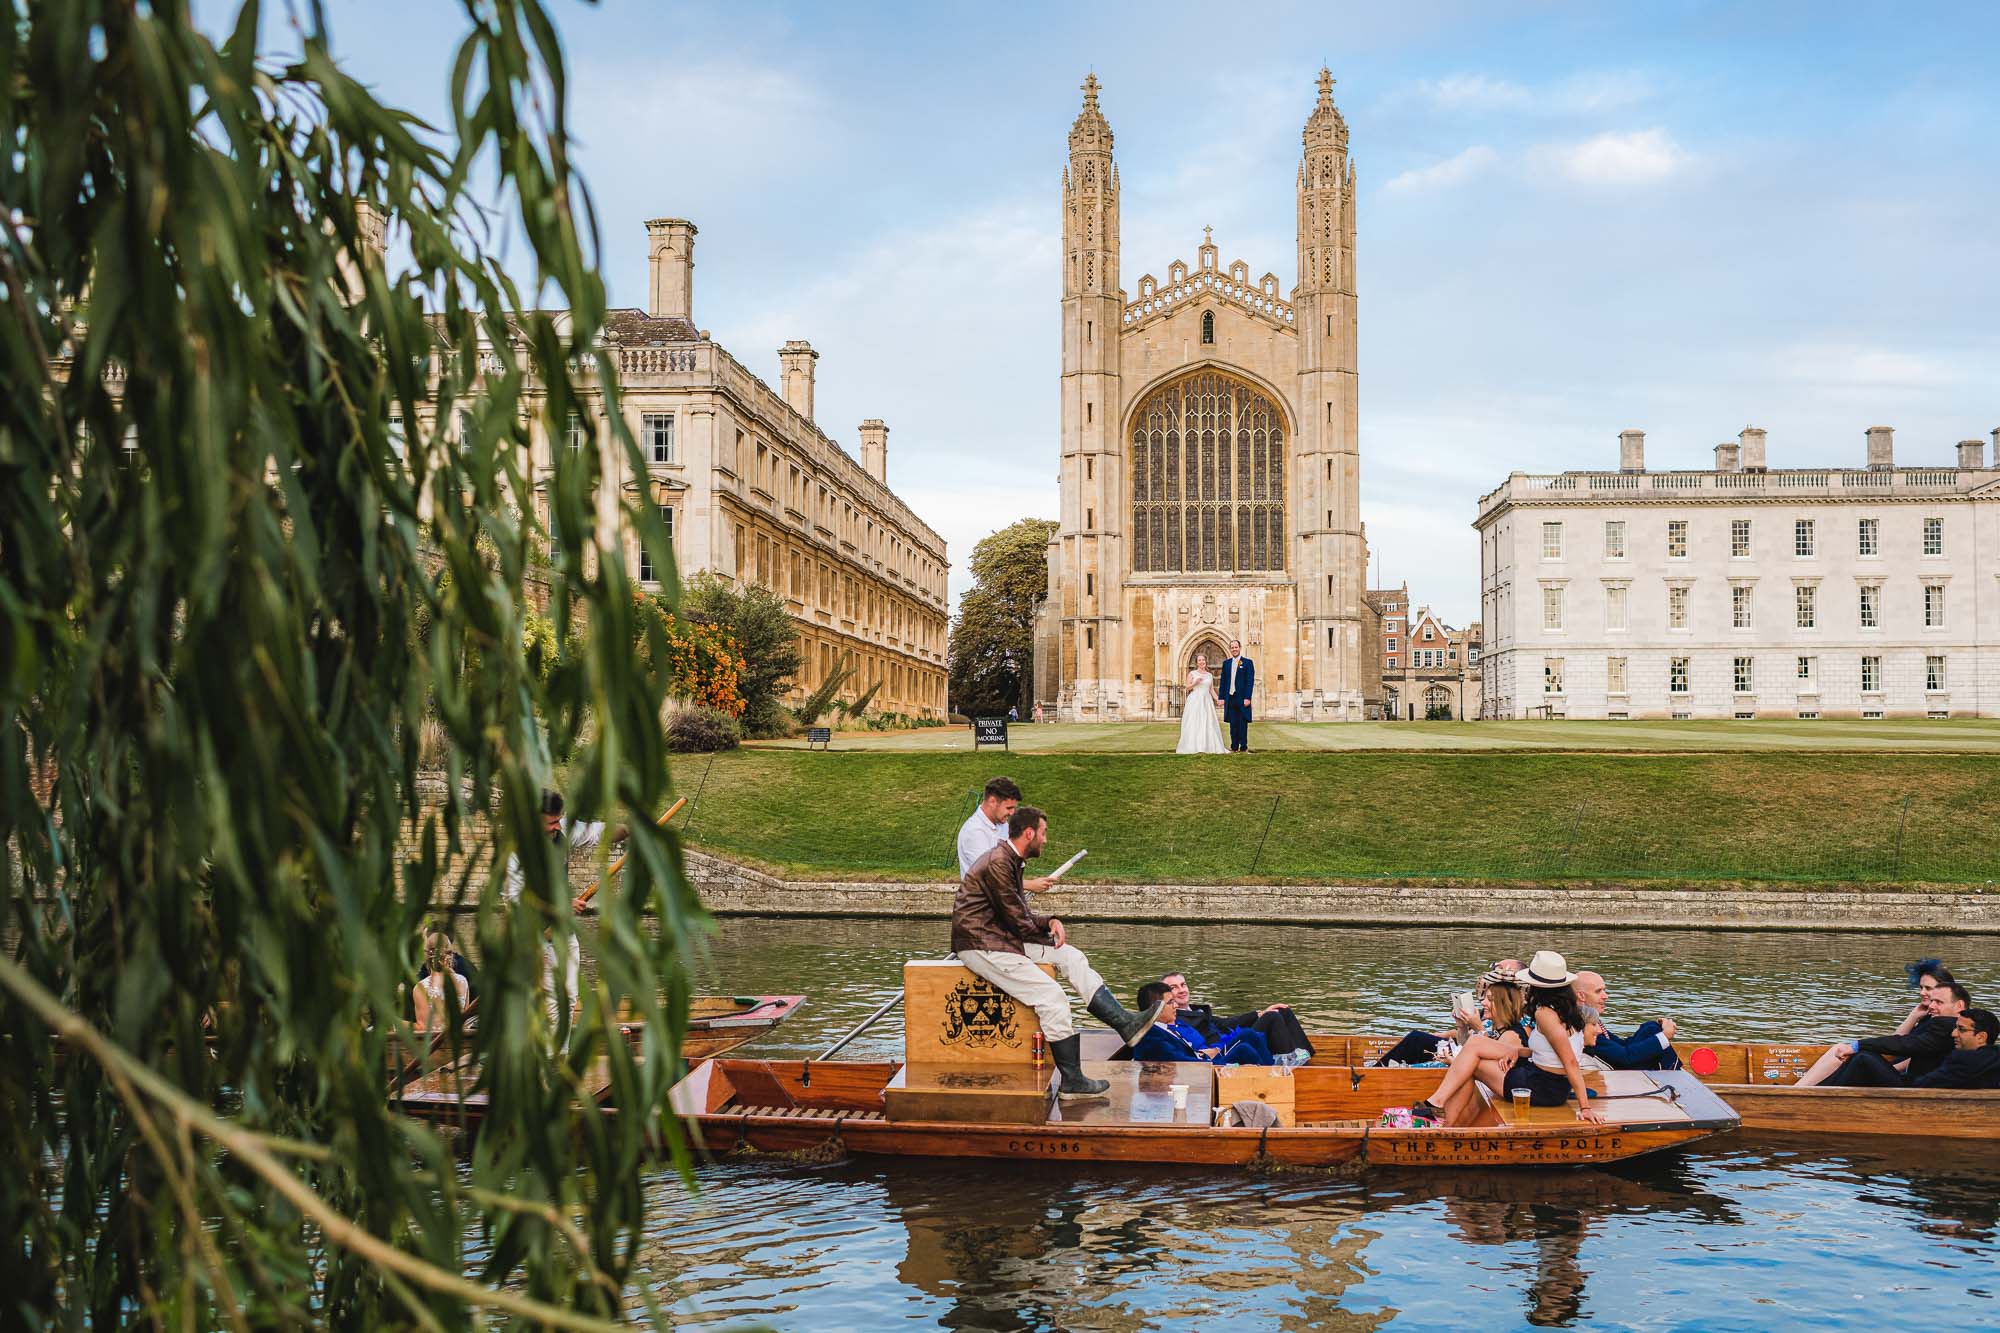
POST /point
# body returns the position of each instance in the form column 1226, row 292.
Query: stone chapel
column 1210, row 466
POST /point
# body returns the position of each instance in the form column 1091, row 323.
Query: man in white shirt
column 986, row 828
column 569, row 835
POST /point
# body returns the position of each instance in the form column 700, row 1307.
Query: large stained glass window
column 1208, row 479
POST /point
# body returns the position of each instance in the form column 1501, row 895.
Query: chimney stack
column 1631, row 451
column 1726, row 457
column 1750, row 446
column 1971, row 455
column 670, row 253
column 796, row 360
column 875, row 449
column 1881, row 448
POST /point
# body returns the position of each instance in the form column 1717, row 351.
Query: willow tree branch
column 249, row 1148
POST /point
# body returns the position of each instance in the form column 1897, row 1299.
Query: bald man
column 1651, row 1046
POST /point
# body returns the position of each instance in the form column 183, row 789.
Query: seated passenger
column 1925, row 976
column 1494, row 1061
column 430, row 1008
column 1651, row 1045
column 1555, row 1043
column 1275, row 1023
column 1975, row 1063
column 1421, row 1048
column 1872, row 1062
column 1173, row 1037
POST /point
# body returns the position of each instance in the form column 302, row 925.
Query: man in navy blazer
column 1651, row 1045
column 1236, row 680
column 1975, row 1060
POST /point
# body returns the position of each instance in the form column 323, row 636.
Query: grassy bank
column 1808, row 818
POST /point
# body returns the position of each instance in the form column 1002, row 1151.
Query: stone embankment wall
column 729, row 889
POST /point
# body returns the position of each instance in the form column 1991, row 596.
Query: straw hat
column 1547, row 970
column 1501, row 976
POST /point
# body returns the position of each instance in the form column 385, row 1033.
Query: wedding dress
column 1201, row 730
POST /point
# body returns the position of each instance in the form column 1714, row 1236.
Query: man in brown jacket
column 1001, row 939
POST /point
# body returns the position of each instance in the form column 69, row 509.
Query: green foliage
column 855, row 708
column 696, row 729
column 765, row 634
column 814, row 706
column 222, row 651
column 993, row 636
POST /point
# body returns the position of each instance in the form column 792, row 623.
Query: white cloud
column 1451, row 171
column 1637, row 157
column 1578, row 94
column 1854, row 366
column 1459, row 92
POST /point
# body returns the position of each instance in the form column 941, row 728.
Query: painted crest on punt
column 979, row 1014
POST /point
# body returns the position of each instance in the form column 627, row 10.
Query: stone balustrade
column 1631, row 487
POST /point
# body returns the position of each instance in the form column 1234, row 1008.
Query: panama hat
column 1547, row 970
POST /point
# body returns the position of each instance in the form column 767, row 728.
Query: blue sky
column 1574, row 219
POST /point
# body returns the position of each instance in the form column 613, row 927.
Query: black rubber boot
column 1068, row 1055
column 1104, row 1007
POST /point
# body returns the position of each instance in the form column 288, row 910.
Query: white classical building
column 1744, row 592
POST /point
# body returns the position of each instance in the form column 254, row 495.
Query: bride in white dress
column 1201, row 730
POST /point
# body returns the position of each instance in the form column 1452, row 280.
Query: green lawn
column 1968, row 736
column 1506, row 817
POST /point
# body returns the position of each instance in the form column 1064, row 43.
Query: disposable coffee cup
column 1180, row 1096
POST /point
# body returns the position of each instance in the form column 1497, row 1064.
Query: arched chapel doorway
column 1210, row 644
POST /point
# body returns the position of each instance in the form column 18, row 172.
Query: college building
column 1426, row 670
column 750, row 487
column 1744, row 591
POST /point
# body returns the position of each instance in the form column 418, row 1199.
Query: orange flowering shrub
column 703, row 662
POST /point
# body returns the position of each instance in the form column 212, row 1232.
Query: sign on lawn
column 819, row 736
column 989, row 731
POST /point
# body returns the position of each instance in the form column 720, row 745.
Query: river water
column 1742, row 1233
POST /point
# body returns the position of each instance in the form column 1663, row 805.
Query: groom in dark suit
column 1237, row 679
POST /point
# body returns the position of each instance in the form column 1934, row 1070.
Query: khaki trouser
column 1018, row 976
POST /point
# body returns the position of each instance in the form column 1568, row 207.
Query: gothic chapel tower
column 1210, row 460
column 1090, row 650
column 1327, row 481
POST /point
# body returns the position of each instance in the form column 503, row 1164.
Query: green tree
column 993, row 636
column 222, row 624
column 765, row 634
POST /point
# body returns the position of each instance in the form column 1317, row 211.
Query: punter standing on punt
column 1000, row 939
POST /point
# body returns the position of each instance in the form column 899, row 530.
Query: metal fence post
column 1901, row 824
column 1268, row 820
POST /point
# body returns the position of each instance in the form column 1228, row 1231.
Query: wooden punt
column 442, row 1086
column 781, row 1106
column 1757, row 1080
